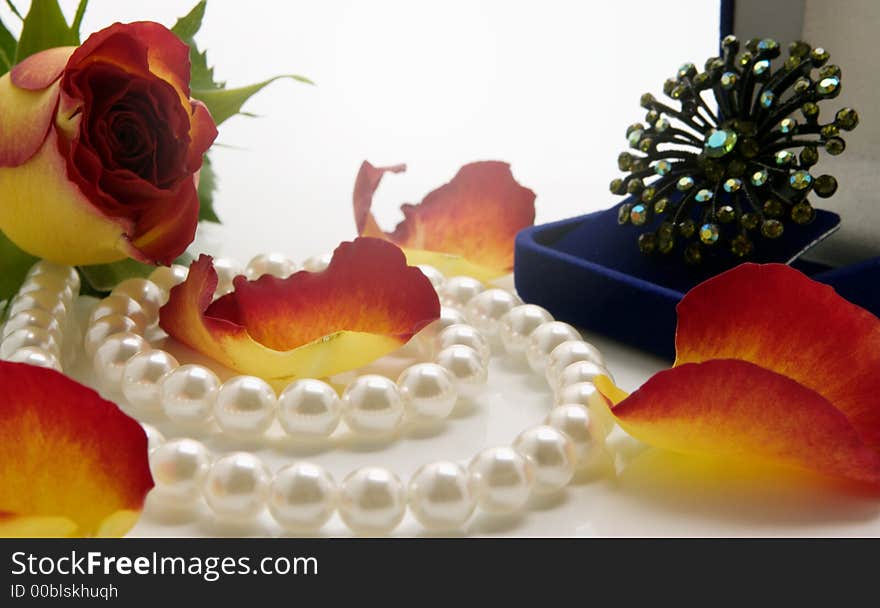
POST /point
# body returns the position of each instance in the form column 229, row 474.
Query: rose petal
column 735, row 409
column 202, row 133
column 167, row 227
column 366, row 304
column 157, row 51
column 40, row 187
column 41, row 69
column 71, row 463
column 471, row 222
column 25, row 119
column 777, row 318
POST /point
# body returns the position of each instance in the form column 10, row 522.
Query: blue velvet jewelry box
column 588, row 271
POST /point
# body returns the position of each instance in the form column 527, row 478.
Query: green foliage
column 226, row 103
column 223, row 103
column 14, row 264
column 7, row 49
column 43, row 28
column 104, row 277
column 207, row 187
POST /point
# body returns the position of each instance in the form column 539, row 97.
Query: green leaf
column 207, row 187
column 77, row 19
column 43, row 28
column 201, row 74
column 189, row 25
column 7, row 49
column 14, row 10
column 226, row 103
column 104, row 277
column 14, row 264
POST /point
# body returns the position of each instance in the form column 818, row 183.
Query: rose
column 100, row 148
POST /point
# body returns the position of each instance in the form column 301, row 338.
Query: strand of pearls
column 441, row 495
column 118, row 339
column 38, row 316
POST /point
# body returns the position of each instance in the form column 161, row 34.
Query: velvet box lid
column 587, row 271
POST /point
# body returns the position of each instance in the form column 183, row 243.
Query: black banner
column 153, row 572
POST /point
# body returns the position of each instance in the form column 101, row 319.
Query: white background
column 549, row 86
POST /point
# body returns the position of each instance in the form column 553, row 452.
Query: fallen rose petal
column 779, row 319
column 71, row 463
column 467, row 226
column 366, row 304
column 735, row 409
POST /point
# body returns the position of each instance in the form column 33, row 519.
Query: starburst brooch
column 714, row 182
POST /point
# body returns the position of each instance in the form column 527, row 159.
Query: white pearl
column 303, row 497
column 551, row 453
column 441, row 496
column 544, row 339
column 428, row 391
column 141, row 376
column 28, row 336
column 567, row 353
column 309, row 407
column 168, row 277
column 274, row 264
column 68, row 273
column 372, row 501
column 584, row 393
column 144, row 292
column 227, row 269
column 187, row 394
column 154, row 437
column 111, row 357
column 467, row 336
column 371, row 405
column 579, row 371
column 120, row 305
column 237, row 486
column 516, row 326
column 458, row 291
column 179, row 468
column 573, row 419
column 50, row 283
column 317, row 263
column 33, row 318
column 449, row 316
column 106, row 326
column 38, row 300
column 485, row 310
column 435, row 276
column 245, row 406
column 502, row 478
column 36, row 357
column 466, row 366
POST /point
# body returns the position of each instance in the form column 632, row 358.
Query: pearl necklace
column 38, row 317
column 302, row 496
column 441, row 495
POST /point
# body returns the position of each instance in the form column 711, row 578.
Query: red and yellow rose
column 100, row 148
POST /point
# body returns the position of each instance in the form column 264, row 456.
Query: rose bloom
column 100, row 148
